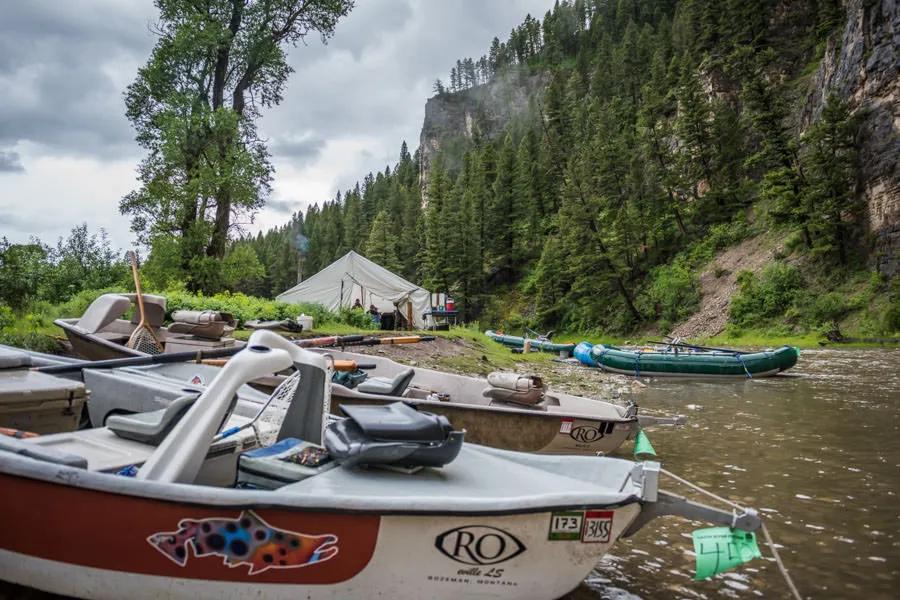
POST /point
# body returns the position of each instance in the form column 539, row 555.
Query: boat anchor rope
column 737, row 507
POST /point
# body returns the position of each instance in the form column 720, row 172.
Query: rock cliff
column 454, row 120
column 861, row 66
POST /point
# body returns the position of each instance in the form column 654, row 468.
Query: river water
column 817, row 451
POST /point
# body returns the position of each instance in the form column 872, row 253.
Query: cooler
column 38, row 402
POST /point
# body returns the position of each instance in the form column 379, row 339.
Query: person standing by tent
column 357, row 305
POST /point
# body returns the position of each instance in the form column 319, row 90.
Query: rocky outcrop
column 861, row 66
column 454, row 119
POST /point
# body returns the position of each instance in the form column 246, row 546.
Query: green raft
column 695, row 363
column 515, row 341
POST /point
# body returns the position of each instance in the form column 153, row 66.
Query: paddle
column 142, row 338
column 681, row 345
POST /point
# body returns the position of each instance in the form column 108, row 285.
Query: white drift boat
column 430, row 517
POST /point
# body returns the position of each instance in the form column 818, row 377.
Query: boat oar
column 331, row 340
column 388, row 341
column 339, row 365
column 137, row 361
column 682, row 345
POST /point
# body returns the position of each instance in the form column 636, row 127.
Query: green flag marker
column 719, row 549
column 642, row 444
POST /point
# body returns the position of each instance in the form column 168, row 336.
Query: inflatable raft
column 515, row 341
column 688, row 363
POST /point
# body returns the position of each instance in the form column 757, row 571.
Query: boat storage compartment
column 289, row 461
column 38, row 402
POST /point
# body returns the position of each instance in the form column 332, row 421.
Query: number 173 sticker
column 589, row 526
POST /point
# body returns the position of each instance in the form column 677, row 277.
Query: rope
column 784, row 572
column 741, row 360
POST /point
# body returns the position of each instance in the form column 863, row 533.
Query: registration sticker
column 597, row 526
column 566, row 525
column 566, row 426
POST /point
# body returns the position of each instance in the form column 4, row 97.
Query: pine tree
column 382, row 244
column 830, row 162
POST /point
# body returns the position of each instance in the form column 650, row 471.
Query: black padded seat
column 151, row 427
column 394, row 435
column 398, row 421
column 42, row 453
column 387, row 386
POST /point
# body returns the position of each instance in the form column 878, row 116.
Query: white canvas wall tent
column 354, row 277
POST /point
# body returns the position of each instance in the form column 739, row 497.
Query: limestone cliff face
column 453, row 120
column 861, row 66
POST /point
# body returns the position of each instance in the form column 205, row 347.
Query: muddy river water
column 816, row 451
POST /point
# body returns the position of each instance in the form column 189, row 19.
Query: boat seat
column 524, row 390
column 153, row 426
column 395, row 434
column 42, row 453
column 387, row 386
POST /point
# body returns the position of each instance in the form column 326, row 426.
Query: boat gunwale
column 17, row 466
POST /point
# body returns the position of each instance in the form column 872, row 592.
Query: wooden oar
column 682, row 345
column 387, row 341
column 329, row 341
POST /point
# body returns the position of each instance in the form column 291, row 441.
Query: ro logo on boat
column 479, row 545
column 588, row 433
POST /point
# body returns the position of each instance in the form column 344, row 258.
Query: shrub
column 827, row 308
column 673, row 294
column 770, row 295
column 7, row 318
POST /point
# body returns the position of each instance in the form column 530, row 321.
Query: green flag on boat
column 719, row 549
column 642, row 444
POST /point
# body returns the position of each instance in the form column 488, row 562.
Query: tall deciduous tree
column 194, row 105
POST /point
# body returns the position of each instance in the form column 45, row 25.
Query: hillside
column 605, row 166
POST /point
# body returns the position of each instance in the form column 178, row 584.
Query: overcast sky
column 67, row 153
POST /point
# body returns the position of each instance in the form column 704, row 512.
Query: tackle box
column 33, row 401
column 285, row 462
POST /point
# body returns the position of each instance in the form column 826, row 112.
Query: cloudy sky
column 67, row 152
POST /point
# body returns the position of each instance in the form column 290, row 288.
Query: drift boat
column 515, row 341
column 689, row 363
column 429, row 517
column 101, row 333
column 506, row 410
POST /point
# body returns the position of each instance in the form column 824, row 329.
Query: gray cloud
column 63, row 68
column 10, row 162
column 285, row 207
column 301, row 151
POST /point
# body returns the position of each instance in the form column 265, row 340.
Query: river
column 817, row 451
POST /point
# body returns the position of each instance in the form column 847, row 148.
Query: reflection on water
column 816, row 451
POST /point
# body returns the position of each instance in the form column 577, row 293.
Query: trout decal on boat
column 246, row 540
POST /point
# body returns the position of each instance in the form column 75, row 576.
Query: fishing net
column 144, row 341
column 272, row 415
